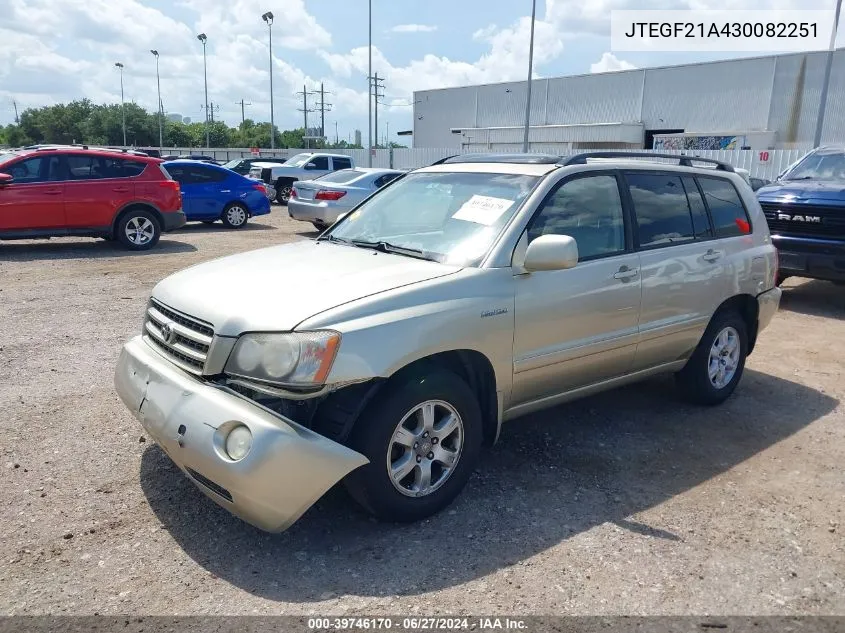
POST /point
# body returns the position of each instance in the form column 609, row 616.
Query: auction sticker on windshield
column 483, row 209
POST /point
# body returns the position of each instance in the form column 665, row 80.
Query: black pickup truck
column 805, row 210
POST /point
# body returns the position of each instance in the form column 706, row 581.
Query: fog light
column 238, row 443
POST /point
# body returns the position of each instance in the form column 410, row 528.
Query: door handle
column 626, row 274
column 711, row 256
column 120, row 189
column 225, row 191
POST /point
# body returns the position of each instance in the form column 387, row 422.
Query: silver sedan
column 323, row 200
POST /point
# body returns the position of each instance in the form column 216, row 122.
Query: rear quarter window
column 730, row 217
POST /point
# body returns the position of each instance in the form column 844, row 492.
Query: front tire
column 235, row 216
column 422, row 436
column 715, row 368
column 283, row 190
column 138, row 230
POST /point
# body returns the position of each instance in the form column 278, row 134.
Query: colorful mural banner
column 699, row 142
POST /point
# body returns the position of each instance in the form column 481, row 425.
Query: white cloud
column 414, row 28
column 609, row 62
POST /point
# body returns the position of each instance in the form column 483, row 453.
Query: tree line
column 85, row 122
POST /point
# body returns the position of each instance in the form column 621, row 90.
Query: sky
column 54, row 51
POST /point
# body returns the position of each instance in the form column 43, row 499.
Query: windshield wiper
column 332, row 238
column 387, row 247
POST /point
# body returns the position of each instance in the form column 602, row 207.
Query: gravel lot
column 626, row 503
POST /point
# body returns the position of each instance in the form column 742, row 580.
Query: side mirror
column 310, row 166
column 551, row 252
column 5, row 179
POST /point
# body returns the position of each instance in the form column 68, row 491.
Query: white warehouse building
column 758, row 103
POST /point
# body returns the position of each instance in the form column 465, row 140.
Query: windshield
column 232, row 163
column 452, row 218
column 342, row 176
column 819, row 167
column 6, row 157
column 297, row 161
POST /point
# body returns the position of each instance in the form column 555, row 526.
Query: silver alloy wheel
column 236, row 215
column 425, row 448
column 140, row 230
column 724, row 358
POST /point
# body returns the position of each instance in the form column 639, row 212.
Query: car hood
column 804, row 192
column 276, row 288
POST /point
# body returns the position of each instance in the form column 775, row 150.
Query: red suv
column 70, row 191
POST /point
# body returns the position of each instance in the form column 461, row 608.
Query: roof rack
column 683, row 159
column 513, row 158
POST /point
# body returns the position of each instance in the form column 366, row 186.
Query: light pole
column 122, row 105
column 530, row 70
column 268, row 18
column 202, row 38
column 160, row 108
column 817, row 139
column 370, row 90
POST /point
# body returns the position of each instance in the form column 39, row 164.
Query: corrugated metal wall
column 778, row 93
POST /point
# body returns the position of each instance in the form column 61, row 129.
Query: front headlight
column 297, row 358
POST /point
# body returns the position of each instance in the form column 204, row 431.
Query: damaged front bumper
column 286, row 470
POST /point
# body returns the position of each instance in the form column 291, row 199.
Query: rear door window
column 662, row 210
column 700, row 219
column 730, row 217
column 205, row 175
column 341, row 163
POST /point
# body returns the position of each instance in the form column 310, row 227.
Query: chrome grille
column 189, row 339
column 831, row 225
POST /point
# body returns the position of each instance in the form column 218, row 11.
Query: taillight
column 293, row 192
column 259, row 187
column 329, row 195
column 170, row 184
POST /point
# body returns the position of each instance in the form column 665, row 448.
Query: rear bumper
column 318, row 212
column 287, row 469
column 173, row 220
column 767, row 305
column 810, row 257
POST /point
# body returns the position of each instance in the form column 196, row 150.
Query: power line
column 243, row 110
column 323, row 107
column 305, row 109
column 376, row 84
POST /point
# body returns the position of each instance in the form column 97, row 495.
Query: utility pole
column 305, row 110
column 243, row 110
column 323, row 107
column 530, row 71
column 336, row 137
column 122, row 104
column 160, row 109
column 370, row 89
column 817, row 138
column 376, row 84
column 268, row 18
column 203, row 38
column 17, row 118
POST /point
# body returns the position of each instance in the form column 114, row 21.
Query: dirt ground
column 626, row 503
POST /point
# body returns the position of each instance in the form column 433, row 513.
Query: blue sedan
column 211, row 193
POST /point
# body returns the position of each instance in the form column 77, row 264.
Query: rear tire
column 235, row 216
column 138, row 230
column 427, row 426
column 715, row 368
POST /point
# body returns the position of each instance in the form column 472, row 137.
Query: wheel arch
column 136, row 206
column 471, row 365
column 746, row 306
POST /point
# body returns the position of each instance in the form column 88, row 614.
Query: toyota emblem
column 167, row 333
